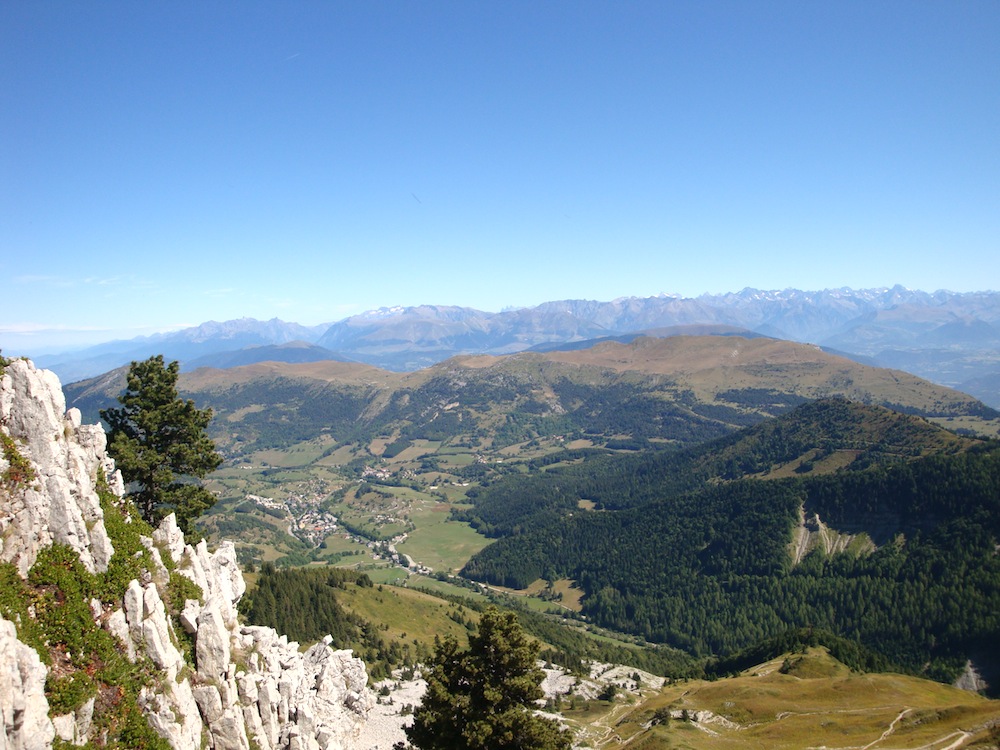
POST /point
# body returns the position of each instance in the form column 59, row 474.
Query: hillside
column 807, row 699
column 694, row 555
column 820, row 437
column 683, row 389
column 327, row 457
column 185, row 665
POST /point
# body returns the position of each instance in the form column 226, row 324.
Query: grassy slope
column 710, row 364
column 409, row 616
column 439, row 543
column 817, row 703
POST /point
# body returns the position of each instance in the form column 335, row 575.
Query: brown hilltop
column 327, row 371
column 691, row 354
column 712, row 365
column 708, row 366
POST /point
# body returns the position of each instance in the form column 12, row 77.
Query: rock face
column 61, row 505
column 23, row 708
column 247, row 686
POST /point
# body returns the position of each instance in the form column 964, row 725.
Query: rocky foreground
column 238, row 687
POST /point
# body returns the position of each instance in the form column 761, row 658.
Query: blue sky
column 163, row 164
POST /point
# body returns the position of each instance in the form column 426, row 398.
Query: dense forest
column 866, row 435
column 709, row 570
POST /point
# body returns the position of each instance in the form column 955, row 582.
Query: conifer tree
column 483, row 698
column 159, row 442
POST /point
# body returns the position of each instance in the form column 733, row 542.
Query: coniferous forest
column 680, row 554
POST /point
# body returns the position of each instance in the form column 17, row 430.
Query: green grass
column 419, row 449
column 384, row 573
column 342, row 543
column 406, row 615
column 300, row 454
column 985, row 427
column 338, row 457
column 455, row 494
column 445, row 588
column 438, row 543
column 456, row 460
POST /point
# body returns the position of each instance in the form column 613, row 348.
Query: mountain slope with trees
column 706, row 563
column 818, row 437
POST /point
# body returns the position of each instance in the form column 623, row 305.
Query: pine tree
column 158, row 441
column 483, row 698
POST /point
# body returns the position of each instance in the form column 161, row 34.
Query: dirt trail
column 604, row 727
column 890, row 730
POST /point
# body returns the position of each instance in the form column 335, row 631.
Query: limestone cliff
column 208, row 680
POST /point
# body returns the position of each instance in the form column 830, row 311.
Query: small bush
column 180, row 588
column 66, row 694
column 19, row 471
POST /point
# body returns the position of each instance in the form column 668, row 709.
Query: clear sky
column 167, row 163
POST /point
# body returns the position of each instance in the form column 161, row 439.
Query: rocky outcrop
column 812, row 533
column 239, row 687
column 24, row 710
column 61, row 504
column 971, row 679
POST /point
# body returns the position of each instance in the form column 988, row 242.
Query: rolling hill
column 817, row 438
column 807, row 699
column 666, row 540
column 682, row 389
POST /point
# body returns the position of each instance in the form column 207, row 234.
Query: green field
column 406, row 615
column 300, row 454
column 438, row 543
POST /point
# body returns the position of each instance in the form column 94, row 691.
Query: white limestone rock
column 61, row 504
column 212, row 653
column 173, row 713
column 169, row 536
column 189, row 616
column 117, row 624
column 157, row 635
column 75, row 727
column 24, row 711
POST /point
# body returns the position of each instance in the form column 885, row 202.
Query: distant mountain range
column 949, row 338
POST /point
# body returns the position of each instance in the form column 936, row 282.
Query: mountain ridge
column 947, row 337
column 711, row 547
column 680, row 389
